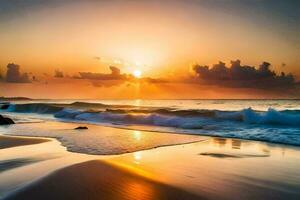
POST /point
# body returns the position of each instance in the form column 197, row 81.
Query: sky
column 56, row 44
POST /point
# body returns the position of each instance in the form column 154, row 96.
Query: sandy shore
column 89, row 180
column 216, row 168
column 99, row 180
column 10, row 141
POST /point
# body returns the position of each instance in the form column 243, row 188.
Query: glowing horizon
column 163, row 40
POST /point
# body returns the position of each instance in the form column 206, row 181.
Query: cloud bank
column 114, row 75
column 13, row 74
column 58, row 74
column 238, row 75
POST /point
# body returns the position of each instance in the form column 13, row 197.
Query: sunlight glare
column 137, row 73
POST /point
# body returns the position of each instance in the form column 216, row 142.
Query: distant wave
column 271, row 125
column 40, row 108
column 85, row 104
column 131, row 119
column 51, row 108
column 185, row 119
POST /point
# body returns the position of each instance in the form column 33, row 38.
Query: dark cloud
column 58, row 74
column 114, row 75
column 13, row 74
column 238, row 75
column 113, row 78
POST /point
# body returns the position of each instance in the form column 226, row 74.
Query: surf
column 280, row 126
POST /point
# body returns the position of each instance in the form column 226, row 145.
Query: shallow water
column 98, row 140
column 275, row 121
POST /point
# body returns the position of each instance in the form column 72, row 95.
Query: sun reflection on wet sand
column 222, row 160
column 140, row 191
column 137, row 157
column 137, row 135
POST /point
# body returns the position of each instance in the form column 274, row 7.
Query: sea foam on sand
column 98, row 139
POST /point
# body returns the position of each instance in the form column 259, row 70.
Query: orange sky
column 161, row 39
column 84, row 89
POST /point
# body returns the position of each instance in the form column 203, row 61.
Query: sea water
column 275, row 121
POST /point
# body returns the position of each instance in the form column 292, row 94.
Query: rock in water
column 4, row 106
column 81, row 128
column 5, row 120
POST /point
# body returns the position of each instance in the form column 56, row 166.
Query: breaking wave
column 159, row 117
column 271, row 125
column 40, row 108
column 184, row 119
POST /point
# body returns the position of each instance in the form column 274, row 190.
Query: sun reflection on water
column 137, row 157
column 137, row 102
column 137, row 135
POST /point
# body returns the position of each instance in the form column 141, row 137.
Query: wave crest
column 188, row 119
column 40, row 108
column 271, row 125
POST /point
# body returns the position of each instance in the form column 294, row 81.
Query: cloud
column 114, row 78
column 238, row 75
column 104, row 80
column 58, row 74
column 114, row 75
column 13, row 74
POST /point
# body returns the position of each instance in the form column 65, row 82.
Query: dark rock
column 81, row 128
column 5, row 120
column 4, row 106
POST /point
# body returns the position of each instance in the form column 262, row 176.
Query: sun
column 137, row 73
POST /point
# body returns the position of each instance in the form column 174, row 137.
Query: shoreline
column 86, row 123
column 118, row 154
column 100, row 140
column 10, row 141
column 32, row 190
column 204, row 136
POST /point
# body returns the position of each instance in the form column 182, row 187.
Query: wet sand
column 215, row 168
column 222, row 168
column 86, row 180
column 11, row 141
column 99, row 180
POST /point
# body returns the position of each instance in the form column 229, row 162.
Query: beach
column 187, row 167
column 8, row 142
column 149, row 100
column 97, row 179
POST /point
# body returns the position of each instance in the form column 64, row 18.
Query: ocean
column 276, row 121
